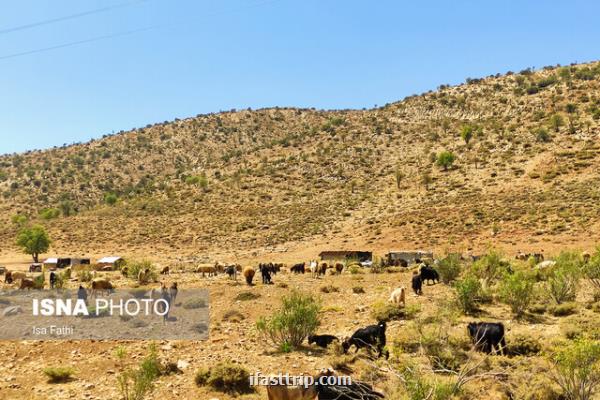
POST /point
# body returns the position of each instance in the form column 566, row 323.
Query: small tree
column 563, row 280
column 516, row 290
column 468, row 291
column 577, row 369
column 445, row 159
column 556, row 121
column 34, row 241
column 449, row 268
column 591, row 270
column 297, row 318
column 111, row 199
column 466, row 133
column 490, row 267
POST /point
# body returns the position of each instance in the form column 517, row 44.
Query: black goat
column 322, row 340
column 373, row 336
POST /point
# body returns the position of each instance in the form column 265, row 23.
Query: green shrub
column 84, row 275
column 542, row 135
column 468, row 293
column 297, row 318
column 58, row 374
column 490, row 267
column 563, row 279
column 49, row 213
column 577, row 369
column 225, row 377
column 194, row 303
column 135, row 267
column 449, row 268
column 591, row 270
column 245, row 296
column 516, row 290
column 445, row 160
column 563, row 309
column 111, row 199
column 523, row 345
column 383, row 311
column 135, row 384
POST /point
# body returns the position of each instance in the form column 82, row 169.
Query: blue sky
column 203, row 56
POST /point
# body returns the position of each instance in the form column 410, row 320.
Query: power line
column 70, row 44
column 118, row 34
column 68, row 17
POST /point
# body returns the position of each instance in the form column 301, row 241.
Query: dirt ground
column 97, row 366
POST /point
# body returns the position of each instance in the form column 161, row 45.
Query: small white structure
column 114, row 262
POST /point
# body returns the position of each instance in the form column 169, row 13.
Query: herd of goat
column 486, row 336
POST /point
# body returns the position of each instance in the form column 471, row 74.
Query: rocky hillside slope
column 526, row 173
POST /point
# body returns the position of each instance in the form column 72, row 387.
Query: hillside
column 249, row 182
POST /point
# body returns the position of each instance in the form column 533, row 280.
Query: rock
column 182, row 364
column 12, row 310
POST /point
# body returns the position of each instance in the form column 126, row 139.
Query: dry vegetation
column 522, row 171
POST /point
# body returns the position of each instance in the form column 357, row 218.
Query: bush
column 490, row 267
column 194, row 303
column 84, row 275
column 591, row 270
column 135, row 384
column 329, row 289
column 563, row 279
column 383, row 311
column 225, row 377
column 58, row 374
column 449, row 268
column 111, row 199
column 577, row 369
column 564, row 309
column 467, row 293
column 245, row 296
column 49, row 213
column 523, row 345
column 135, row 267
column 297, row 318
column 358, row 290
column 516, row 290
column 542, row 135
column 445, row 159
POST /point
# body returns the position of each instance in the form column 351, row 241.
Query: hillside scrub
column 297, row 318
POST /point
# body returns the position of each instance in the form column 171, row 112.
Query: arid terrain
column 281, row 185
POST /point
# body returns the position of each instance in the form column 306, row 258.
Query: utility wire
column 118, row 34
column 68, row 17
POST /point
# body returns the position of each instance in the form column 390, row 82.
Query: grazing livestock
column 52, row 279
column 339, row 267
column 314, row 268
column 354, row 391
column 27, row 283
column 2, row 270
column 165, row 271
column 586, row 257
column 417, row 283
column 101, row 284
column 398, row 296
column 429, row 274
column 144, row 275
column 173, row 291
column 298, row 268
column 248, row 273
column 265, row 272
column 546, row 264
column 322, row 269
column 35, row 268
column 8, row 277
column 231, row 271
column 125, row 271
column 284, row 392
column 487, row 336
column 373, row 336
column 210, row 270
column 82, row 294
column 322, row 340
column 12, row 276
